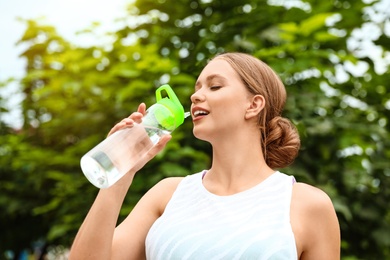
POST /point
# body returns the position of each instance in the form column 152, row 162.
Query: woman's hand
column 129, row 121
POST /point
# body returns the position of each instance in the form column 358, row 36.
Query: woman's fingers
column 152, row 152
column 125, row 123
column 128, row 122
column 157, row 147
column 142, row 108
column 137, row 116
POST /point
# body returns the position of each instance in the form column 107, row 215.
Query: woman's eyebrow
column 210, row 78
column 215, row 76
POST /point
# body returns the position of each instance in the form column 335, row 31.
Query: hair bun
column 282, row 143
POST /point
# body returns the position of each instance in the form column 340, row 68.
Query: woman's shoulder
column 159, row 195
column 164, row 189
column 167, row 185
column 311, row 202
column 314, row 220
column 171, row 183
column 311, row 196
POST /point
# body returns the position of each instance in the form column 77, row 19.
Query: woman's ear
column 257, row 104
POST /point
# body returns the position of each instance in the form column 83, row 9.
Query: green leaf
column 313, row 23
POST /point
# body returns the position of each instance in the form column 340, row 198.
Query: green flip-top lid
column 175, row 117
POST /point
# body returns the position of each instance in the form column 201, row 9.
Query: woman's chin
column 201, row 135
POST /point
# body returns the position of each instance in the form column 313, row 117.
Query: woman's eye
column 215, row 87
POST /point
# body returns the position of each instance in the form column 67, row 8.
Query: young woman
column 241, row 208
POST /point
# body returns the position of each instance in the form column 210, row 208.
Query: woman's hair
column 279, row 137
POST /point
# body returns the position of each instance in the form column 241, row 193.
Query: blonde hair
column 279, row 138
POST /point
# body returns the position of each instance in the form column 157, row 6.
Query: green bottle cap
column 173, row 116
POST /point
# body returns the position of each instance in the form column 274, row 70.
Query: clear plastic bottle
column 107, row 162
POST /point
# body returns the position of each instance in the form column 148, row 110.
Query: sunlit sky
column 67, row 16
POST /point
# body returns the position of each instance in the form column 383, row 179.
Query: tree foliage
column 337, row 97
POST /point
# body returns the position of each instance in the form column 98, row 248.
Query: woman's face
column 219, row 102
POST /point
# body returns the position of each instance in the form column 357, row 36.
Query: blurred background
column 69, row 70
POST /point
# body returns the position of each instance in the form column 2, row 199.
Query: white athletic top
column 253, row 224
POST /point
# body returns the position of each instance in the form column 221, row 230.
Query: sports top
column 252, row 224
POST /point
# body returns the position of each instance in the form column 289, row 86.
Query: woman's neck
column 237, row 165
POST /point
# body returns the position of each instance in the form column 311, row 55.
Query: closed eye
column 215, row 87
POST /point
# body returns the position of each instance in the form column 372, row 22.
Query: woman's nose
column 197, row 97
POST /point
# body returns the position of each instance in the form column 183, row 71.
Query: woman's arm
column 314, row 223
column 130, row 235
column 94, row 239
column 99, row 239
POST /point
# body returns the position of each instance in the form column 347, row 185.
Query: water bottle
column 107, row 162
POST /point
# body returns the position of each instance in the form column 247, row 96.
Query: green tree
column 75, row 95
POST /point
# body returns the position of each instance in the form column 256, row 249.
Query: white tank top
column 253, row 224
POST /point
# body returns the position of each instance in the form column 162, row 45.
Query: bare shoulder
column 154, row 201
column 166, row 186
column 170, row 182
column 314, row 222
column 164, row 190
column 311, row 197
column 312, row 203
